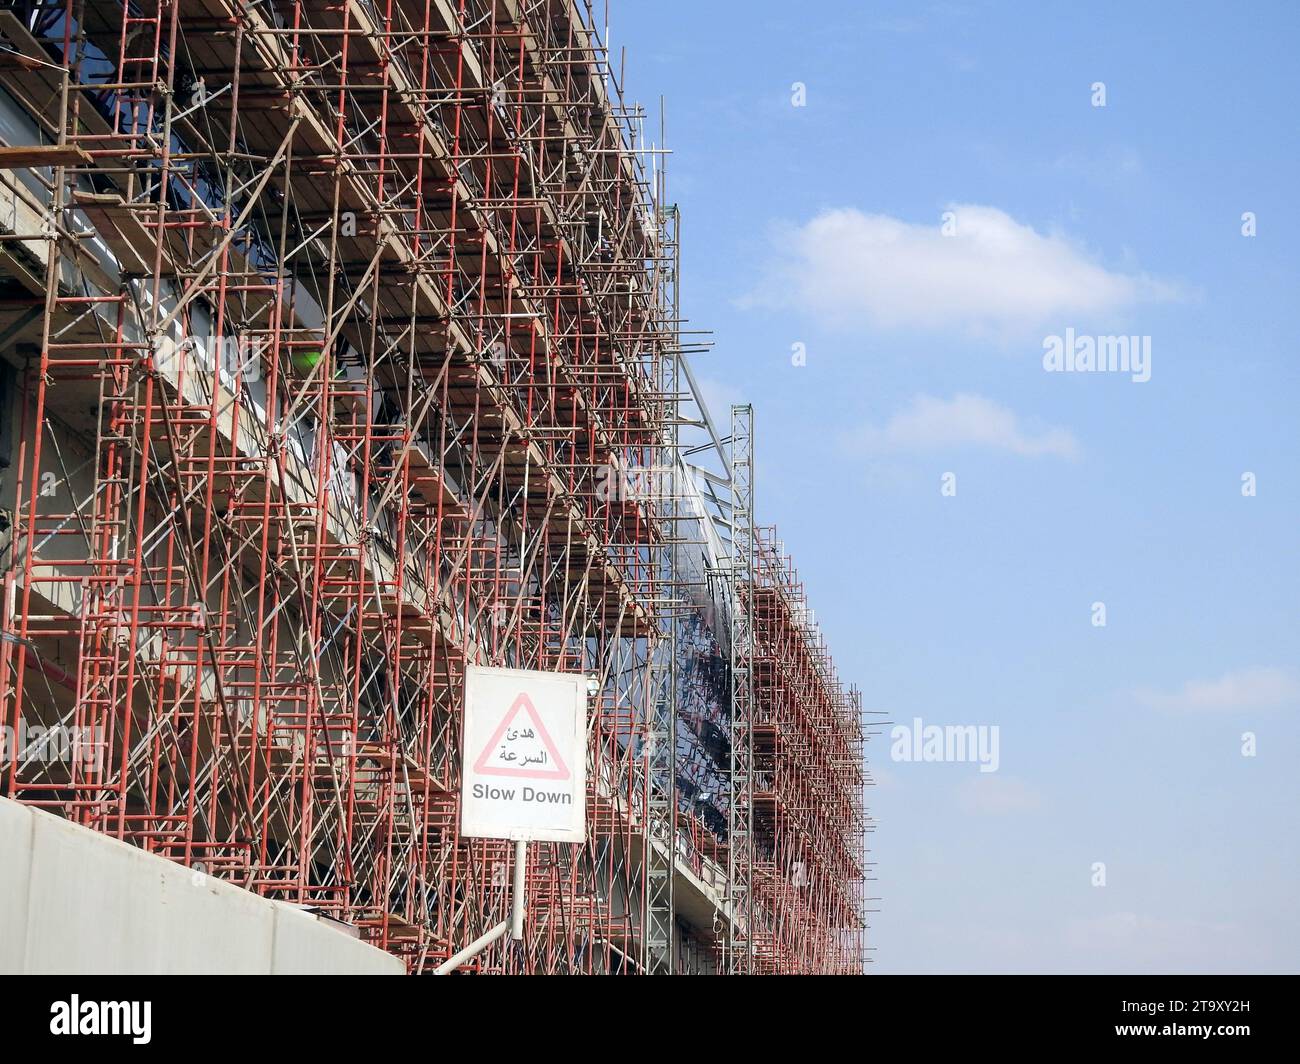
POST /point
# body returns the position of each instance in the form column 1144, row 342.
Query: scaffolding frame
column 351, row 354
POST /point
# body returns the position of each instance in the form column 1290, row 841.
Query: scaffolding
column 344, row 345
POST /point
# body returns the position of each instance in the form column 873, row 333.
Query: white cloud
column 991, row 275
column 930, row 424
column 1256, row 688
column 995, row 795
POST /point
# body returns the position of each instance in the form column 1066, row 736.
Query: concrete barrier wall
column 75, row 901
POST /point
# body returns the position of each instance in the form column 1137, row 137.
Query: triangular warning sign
column 524, row 750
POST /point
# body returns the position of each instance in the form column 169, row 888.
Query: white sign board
column 524, row 755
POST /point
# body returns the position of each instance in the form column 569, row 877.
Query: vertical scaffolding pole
column 740, row 824
column 661, row 737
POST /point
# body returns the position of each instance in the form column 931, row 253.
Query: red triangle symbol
column 526, row 753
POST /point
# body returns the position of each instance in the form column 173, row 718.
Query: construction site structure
column 340, row 349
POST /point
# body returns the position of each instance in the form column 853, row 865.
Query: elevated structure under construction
column 341, row 349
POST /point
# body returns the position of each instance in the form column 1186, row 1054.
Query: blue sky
column 821, row 225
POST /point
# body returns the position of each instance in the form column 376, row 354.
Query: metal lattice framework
column 346, row 343
column 740, row 828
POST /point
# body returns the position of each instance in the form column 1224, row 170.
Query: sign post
column 524, row 771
